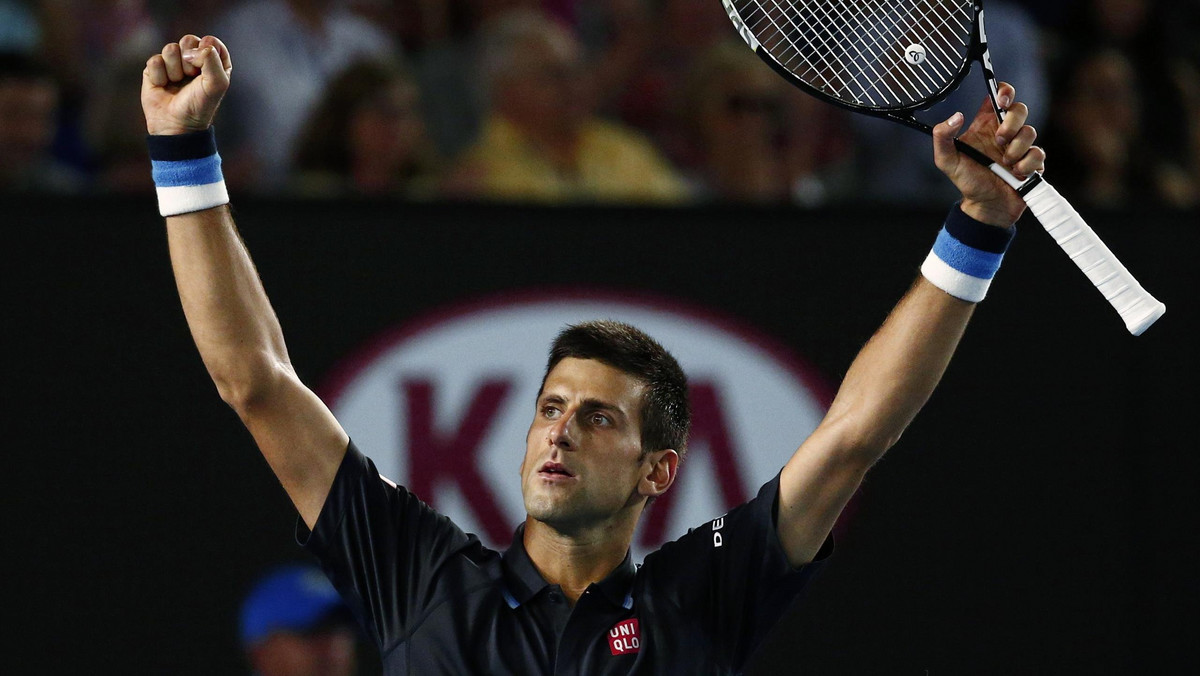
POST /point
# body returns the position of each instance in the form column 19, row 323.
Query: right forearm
column 230, row 317
column 227, row 310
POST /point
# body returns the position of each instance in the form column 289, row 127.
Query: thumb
column 213, row 76
column 945, row 155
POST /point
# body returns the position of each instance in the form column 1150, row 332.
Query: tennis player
column 607, row 435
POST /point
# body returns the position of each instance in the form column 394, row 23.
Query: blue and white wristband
column 187, row 172
column 966, row 256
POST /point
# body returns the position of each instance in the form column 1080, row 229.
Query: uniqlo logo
column 624, row 638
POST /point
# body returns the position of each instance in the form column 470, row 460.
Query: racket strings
column 908, row 24
column 923, row 81
column 855, row 50
column 788, row 56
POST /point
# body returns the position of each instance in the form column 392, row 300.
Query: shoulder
column 608, row 133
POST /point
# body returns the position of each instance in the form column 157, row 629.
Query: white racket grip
column 1135, row 305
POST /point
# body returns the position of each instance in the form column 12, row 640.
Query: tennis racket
column 890, row 58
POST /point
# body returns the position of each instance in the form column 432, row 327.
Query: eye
column 600, row 420
column 550, row 412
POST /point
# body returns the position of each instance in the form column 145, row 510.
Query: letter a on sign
column 624, row 638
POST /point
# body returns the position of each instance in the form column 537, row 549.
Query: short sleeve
column 380, row 546
column 732, row 576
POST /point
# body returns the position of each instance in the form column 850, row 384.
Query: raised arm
column 897, row 370
column 231, row 320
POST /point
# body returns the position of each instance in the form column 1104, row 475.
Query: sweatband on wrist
column 187, row 172
column 966, row 256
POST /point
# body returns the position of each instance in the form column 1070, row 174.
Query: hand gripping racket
column 889, row 58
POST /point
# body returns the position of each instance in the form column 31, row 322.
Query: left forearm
column 887, row 384
column 898, row 369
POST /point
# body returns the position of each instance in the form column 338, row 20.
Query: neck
column 575, row 560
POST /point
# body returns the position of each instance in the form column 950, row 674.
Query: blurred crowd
column 631, row 101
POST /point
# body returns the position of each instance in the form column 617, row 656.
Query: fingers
column 156, row 71
column 1019, row 145
column 173, row 64
column 187, row 45
column 1013, row 122
column 1015, row 140
column 222, row 51
column 185, row 59
column 209, row 58
column 173, row 59
column 183, row 85
column 215, row 76
column 1005, row 95
column 1032, row 161
column 1010, row 141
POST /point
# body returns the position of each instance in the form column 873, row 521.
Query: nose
column 561, row 432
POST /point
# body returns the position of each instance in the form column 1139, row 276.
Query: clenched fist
column 182, row 86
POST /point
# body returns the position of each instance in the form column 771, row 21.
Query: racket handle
column 1135, row 305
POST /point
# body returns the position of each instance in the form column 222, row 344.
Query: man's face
column 583, row 453
column 546, row 89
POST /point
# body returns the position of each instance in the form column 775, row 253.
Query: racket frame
column 976, row 51
column 1057, row 216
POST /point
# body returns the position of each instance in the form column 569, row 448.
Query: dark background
column 1039, row 516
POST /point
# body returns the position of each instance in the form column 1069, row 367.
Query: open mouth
column 555, row 469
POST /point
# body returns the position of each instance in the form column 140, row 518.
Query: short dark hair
column 666, row 415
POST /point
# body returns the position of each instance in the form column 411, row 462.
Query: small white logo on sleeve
column 717, row 525
column 914, row 54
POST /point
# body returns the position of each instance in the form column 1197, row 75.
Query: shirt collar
column 522, row 580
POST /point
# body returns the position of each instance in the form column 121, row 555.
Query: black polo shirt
column 436, row 601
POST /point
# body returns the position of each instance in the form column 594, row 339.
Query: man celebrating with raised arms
column 609, row 430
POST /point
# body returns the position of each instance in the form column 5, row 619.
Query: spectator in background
column 290, row 50
column 541, row 141
column 757, row 139
column 294, row 623
column 734, row 109
column 1098, row 124
column 683, row 31
column 442, row 40
column 115, row 138
column 367, row 137
column 819, row 151
column 1139, row 51
column 617, row 37
column 83, row 35
column 892, row 160
column 29, row 103
column 77, row 39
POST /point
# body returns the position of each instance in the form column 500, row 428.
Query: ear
column 660, row 468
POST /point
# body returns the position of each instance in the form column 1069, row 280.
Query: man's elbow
column 862, row 442
column 250, row 386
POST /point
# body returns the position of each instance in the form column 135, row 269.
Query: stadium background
column 1040, row 516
